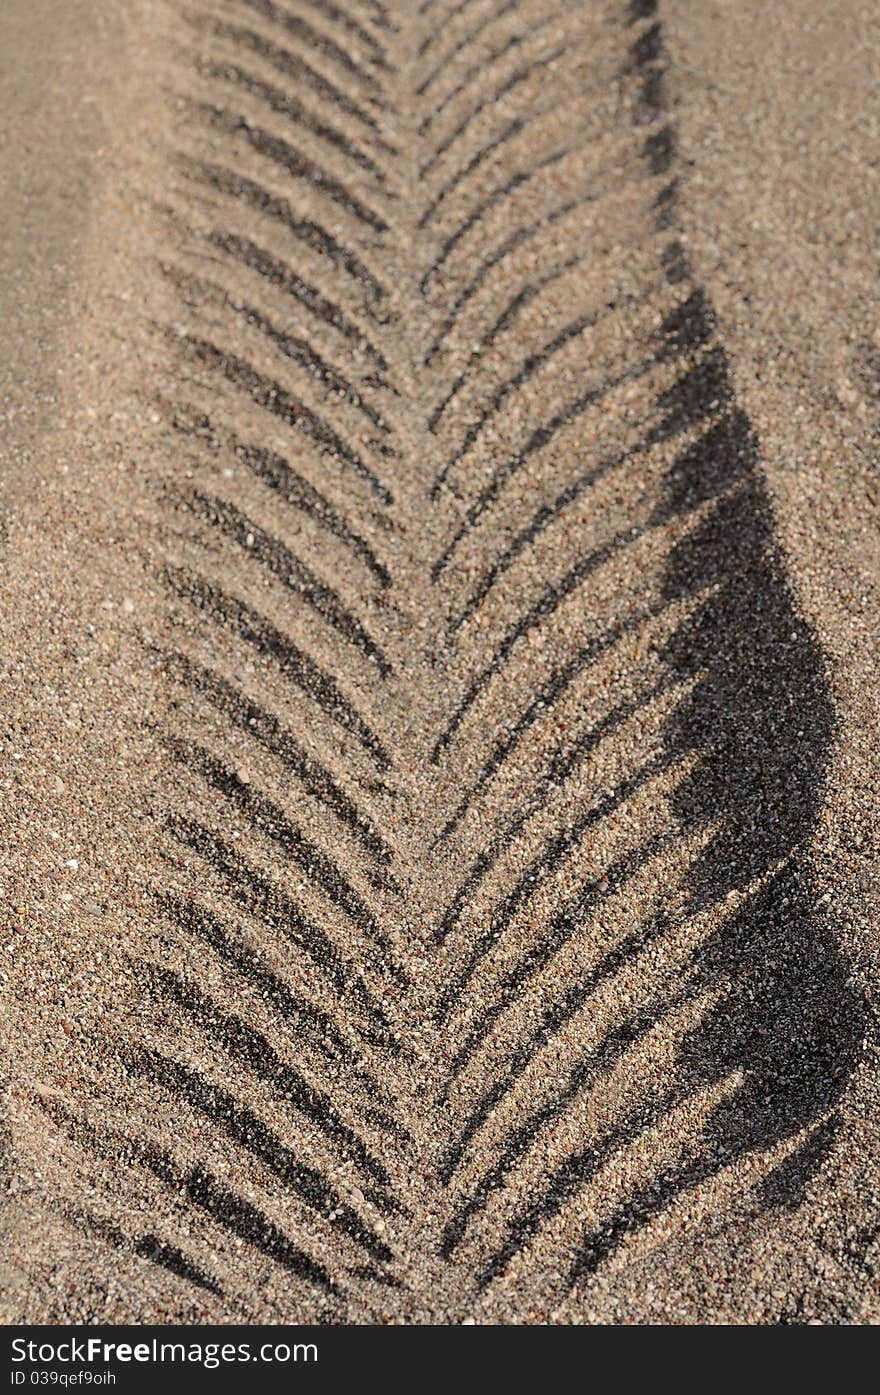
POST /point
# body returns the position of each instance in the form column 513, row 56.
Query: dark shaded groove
column 267, row 818
column 576, row 996
column 485, row 206
column 197, row 291
column 498, row 195
column 299, row 578
column 309, row 1021
column 338, row 14
column 317, row 40
column 675, row 263
column 564, row 923
column 296, row 666
column 473, row 71
column 243, row 1219
column 263, row 814
column 786, row 1185
column 538, row 872
column 265, row 728
column 542, row 519
column 539, row 357
column 202, row 1189
column 690, row 320
column 704, row 390
column 689, row 324
column 243, row 1043
column 533, row 364
column 251, row 1049
column 495, row 257
column 477, row 875
column 687, row 328
column 614, row 1045
column 659, row 150
column 600, row 1243
column 540, row 437
column 481, row 70
column 296, row 68
column 523, row 235
column 548, row 602
column 457, row 384
column 473, row 34
column 572, row 1176
column 148, row 1247
column 300, row 351
column 271, row 396
column 274, row 908
column 306, row 230
column 298, row 166
column 446, row 21
column 567, row 758
column 276, row 472
column 645, row 62
column 563, row 763
column 789, row 1023
column 523, row 297
column 512, row 129
column 280, row 275
column 250, row 1132
column 294, row 111
column 519, row 301
column 521, row 75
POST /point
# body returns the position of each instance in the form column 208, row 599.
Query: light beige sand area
column 438, row 632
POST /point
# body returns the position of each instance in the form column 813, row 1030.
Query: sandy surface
column 439, row 874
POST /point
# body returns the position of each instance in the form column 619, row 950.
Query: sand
column 439, row 874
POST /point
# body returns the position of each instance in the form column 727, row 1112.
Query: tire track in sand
column 494, row 740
